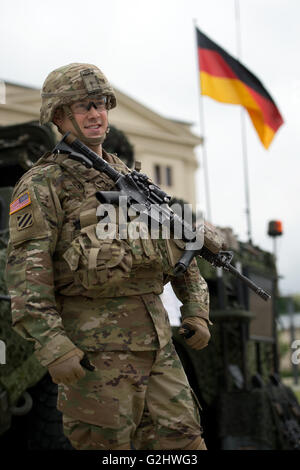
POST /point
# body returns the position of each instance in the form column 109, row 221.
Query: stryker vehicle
column 235, row 378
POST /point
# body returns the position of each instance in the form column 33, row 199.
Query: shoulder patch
column 22, row 201
column 24, row 220
column 27, row 220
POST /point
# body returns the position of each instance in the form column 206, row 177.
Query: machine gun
column 153, row 202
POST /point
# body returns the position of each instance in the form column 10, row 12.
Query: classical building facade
column 166, row 148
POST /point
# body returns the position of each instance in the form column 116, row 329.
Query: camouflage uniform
column 70, row 289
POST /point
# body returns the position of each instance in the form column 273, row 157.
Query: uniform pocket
column 143, row 248
column 95, row 261
column 85, row 407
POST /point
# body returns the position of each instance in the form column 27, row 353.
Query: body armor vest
column 93, row 267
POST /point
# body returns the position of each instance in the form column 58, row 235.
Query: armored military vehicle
column 236, row 378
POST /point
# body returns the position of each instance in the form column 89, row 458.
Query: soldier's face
column 93, row 123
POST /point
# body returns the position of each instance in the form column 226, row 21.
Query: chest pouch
column 97, row 261
column 144, row 249
column 171, row 251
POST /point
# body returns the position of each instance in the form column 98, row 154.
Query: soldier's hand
column 195, row 331
column 67, row 369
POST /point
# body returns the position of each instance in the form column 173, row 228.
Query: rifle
column 5, row 297
column 153, row 202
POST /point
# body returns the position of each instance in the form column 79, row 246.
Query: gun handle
column 86, row 363
column 184, row 262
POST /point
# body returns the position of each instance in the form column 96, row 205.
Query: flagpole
column 202, row 130
column 243, row 129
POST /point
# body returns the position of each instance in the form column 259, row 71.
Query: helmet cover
column 71, row 83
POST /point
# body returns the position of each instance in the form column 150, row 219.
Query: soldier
column 73, row 293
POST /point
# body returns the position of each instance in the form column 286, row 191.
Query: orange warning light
column 275, row 228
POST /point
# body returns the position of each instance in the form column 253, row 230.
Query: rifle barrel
column 258, row 290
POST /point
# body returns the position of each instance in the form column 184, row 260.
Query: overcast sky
column 147, row 50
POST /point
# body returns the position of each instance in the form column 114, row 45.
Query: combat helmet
column 70, row 83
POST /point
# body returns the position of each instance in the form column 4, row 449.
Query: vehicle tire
column 45, row 430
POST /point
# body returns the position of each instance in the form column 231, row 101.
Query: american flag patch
column 22, row 201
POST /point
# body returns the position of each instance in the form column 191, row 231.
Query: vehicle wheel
column 45, row 430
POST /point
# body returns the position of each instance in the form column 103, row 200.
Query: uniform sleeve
column 35, row 220
column 191, row 289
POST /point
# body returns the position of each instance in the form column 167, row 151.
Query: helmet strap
column 86, row 140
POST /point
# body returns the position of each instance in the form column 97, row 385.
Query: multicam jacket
column 67, row 287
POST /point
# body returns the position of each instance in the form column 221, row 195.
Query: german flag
column 225, row 79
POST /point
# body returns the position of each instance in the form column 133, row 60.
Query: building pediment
column 133, row 117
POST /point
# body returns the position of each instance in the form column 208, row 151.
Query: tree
column 118, row 143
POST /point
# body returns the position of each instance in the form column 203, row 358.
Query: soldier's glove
column 67, row 369
column 195, row 331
